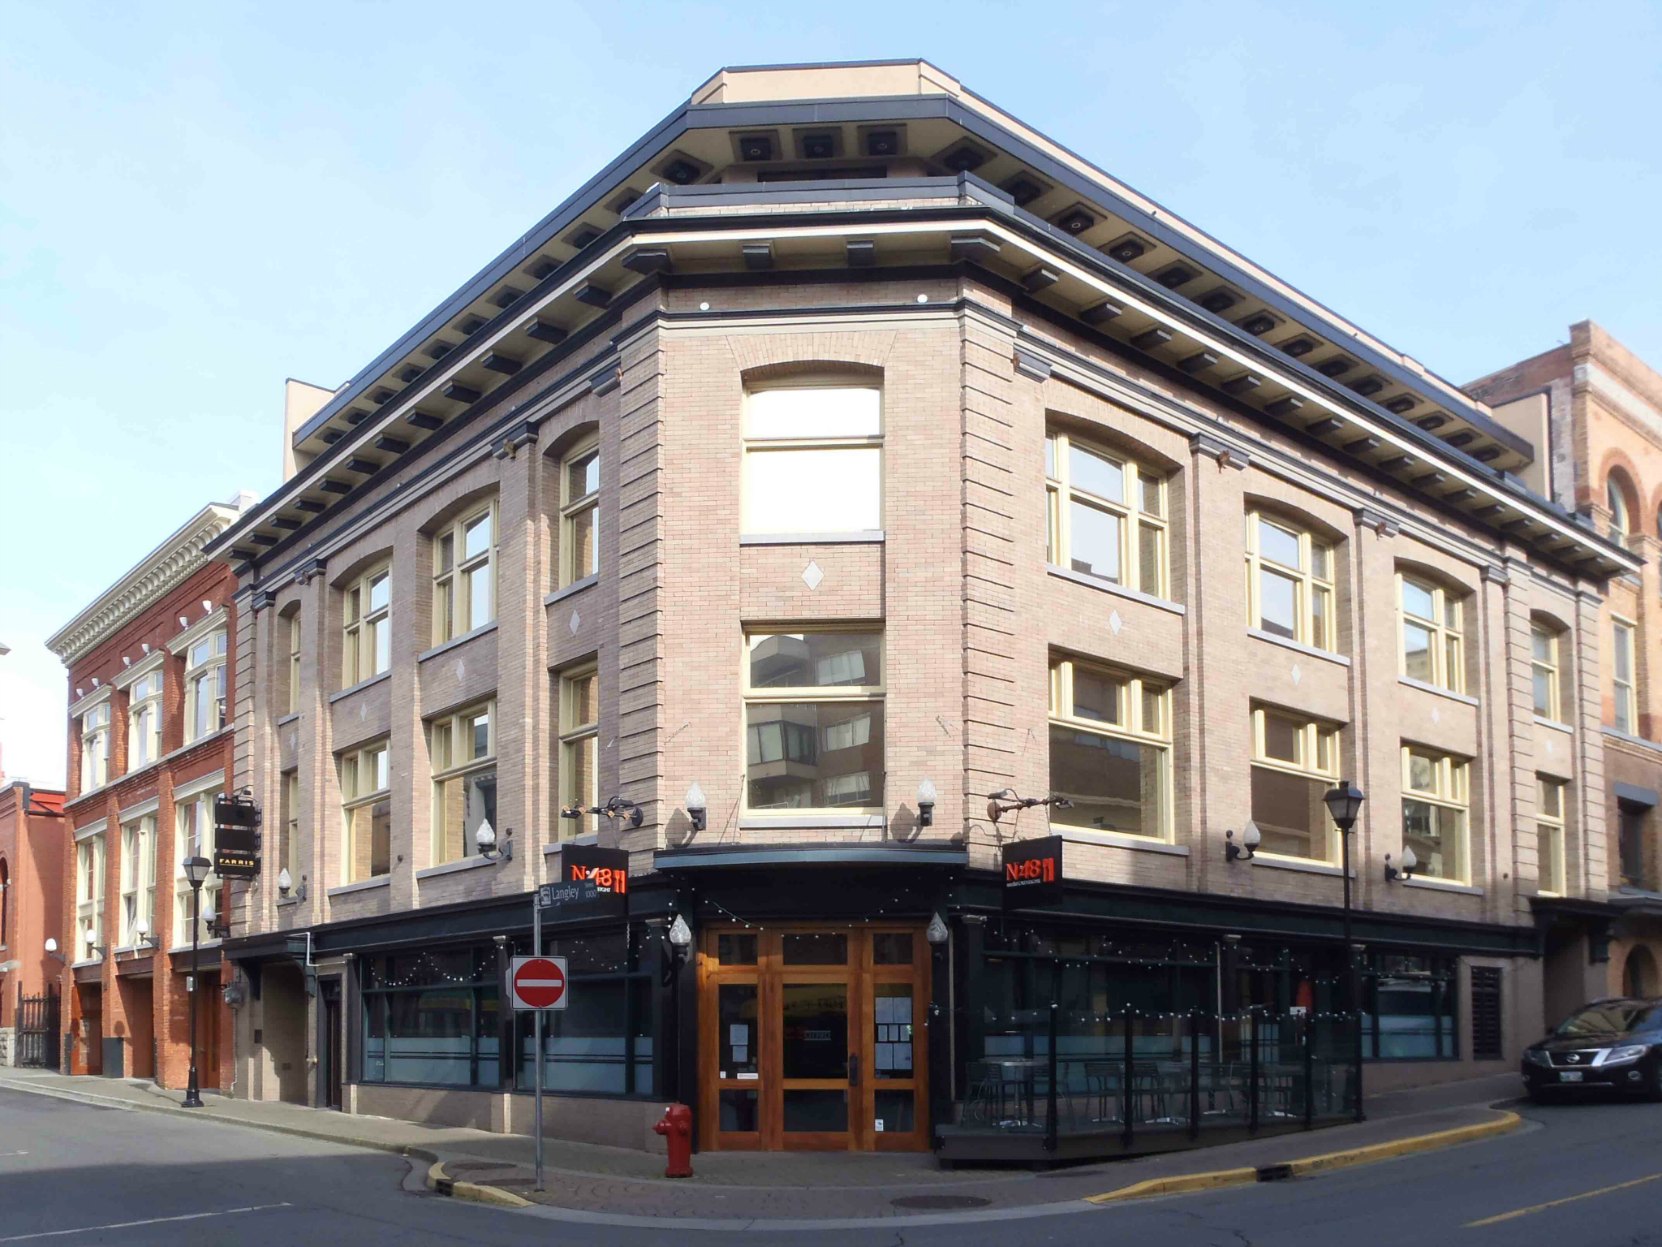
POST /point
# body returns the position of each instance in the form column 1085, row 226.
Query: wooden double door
column 813, row 1037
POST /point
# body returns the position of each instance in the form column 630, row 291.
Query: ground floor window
column 432, row 1018
column 1409, row 1008
column 601, row 1043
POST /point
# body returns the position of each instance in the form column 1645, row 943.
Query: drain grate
column 940, row 1203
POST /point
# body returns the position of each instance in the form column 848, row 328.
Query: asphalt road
column 73, row 1175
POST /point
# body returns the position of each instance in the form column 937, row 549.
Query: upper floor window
column 205, row 687
column 1289, row 581
column 366, row 806
column 1550, row 816
column 138, row 879
column 194, row 837
column 1110, row 750
column 462, row 747
column 579, row 515
column 95, row 746
column 292, row 701
column 1434, row 801
column 288, row 845
column 144, row 720
column 1630, row 844
column 368, row 608
column 89, row 897
column 464, row 575
column 1432, row 648
column 1106, row 516
column 813, row 712
column 1294, row 762
column 1547, row 672
column 1625, row 710
column 813, row 459
column 1621, row 519
column 579, row 707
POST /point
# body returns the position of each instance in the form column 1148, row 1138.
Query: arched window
column 5, row 903
column 1615, row 497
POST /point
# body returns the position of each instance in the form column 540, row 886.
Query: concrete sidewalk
column 599, row 1183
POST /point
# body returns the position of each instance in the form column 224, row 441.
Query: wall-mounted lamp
column 926, row 802
column 146, row 937
column 680, row 938
column 484, row 839
column 1005, row 800
column 219, row 927
column 936, row 933
column 286, row 887
column 52, row 949
column 1251, row 838
column 615, row 808
column 1405, row 867
column 698, row 809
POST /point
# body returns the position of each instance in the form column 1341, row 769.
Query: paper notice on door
column 903, row 1056
column 885, row 1058
column 741, row 1054
column 738, row 1033
column 879, row 1125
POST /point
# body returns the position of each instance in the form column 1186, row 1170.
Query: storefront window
column 1410, row 1009
column 601, row 1043
column 431, row 1018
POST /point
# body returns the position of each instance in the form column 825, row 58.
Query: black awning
column 752, row 856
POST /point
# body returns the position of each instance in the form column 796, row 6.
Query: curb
column 473, row 1192
column 1307, row 1165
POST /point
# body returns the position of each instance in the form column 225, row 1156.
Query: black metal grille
column 1486, row 1014
column 37, row 1029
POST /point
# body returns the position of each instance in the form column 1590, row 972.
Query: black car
column 1609, row 1045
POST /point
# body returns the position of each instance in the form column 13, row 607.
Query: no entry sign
column 538, row 983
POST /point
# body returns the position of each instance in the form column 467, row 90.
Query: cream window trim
column 364, row 625
column 758, row 445
column 1624, row 643
column 1546, row 671
column 1143, row 708
column 145, row 699
column 576, row 510
column 448, row 736
column 196, row 787
column 296, row 635
column 207, row 690
column 1551, row 818
column 575, row 733
column 455, row 572
column 1449, row 789
column 90, row 830
column 352, row 766
column 132, row 675
column 193, row 820
column 1142, row 512
column 181, row 642
column 98, row 695
column 288, row 852
column 139, row 809
column 1445, row 626
column 1312, row 576
column 1317, row 747
column 137, row 877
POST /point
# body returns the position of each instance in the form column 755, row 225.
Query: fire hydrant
column 676, row 1127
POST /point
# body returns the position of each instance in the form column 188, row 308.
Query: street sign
column 1033, row 872
column 539, row 983
column 593, row 881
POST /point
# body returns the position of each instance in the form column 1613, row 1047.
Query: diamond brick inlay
column 576, row 623
column 1115, row 623
column 812, row 575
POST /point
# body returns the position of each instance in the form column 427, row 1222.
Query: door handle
column 853, row 1069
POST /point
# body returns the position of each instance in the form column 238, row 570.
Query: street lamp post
column 196, row 871
column 1344, row 803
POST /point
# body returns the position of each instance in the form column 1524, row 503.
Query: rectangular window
column 602, row 1043
column 1550, row 797
column 1544, row 669
column 89, row 898
column 579, row 751
column 464, row 575
column 462, row 747
column 1289, row 582
column 368, row 628
column 138, row 879
column 366, row 806
column 1410, row 1009
column 1294, row 763
column 193, row 837
column 1434, row 809
column 579, row 515
column 95, row 746
column 1630, row 847
column 288, row 848
column 1105, row 516
column 813, row 459
column 813, row 707
column 1432, row 649
column 292, row 701
column 144, row 720
column 1625, row 713
column 433, row 1018
column 1110, row 750
column 205, row 687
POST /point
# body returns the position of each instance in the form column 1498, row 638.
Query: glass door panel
column 815, row 1030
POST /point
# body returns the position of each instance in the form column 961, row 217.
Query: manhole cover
column 940, row 1202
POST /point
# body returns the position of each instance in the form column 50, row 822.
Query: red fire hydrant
column 676, row 1127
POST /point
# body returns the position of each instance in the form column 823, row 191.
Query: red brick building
column 150, row 747
column 32, row 856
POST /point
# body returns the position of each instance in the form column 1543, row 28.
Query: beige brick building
column 1599, row 408
column 852, row 457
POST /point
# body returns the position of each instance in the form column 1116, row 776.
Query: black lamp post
column 680, row 947
column 1344, row 803
column 196, row 871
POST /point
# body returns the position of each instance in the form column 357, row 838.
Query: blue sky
column 199, row 200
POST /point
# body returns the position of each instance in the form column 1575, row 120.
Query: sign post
column 538, row 984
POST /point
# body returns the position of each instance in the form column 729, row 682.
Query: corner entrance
column 812, row 1037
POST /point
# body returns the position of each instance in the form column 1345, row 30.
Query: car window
column 1610, row 1019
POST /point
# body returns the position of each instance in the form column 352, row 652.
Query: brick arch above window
column 805, row 371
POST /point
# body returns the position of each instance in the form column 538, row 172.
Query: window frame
column 141, row 706
column 1553, row 828
column 1132, row 706
column 1308, row 586
column 452, row 599
column 572, row 509
column 451, row 726
column 1132, row 514
column 359, row 623
column 1314, row 736
column 201, row 832
column 751, row 447
column 95, row 736
column 801, row 694
column 296, row 638
column 1451, row 791
column 89, row 897
column 356, row 800
column 137, row 877
column 573, row 735
column 1624, row 640
column 198, row 674
column 288, row 850
column 1443, row 633
column 1551, row 667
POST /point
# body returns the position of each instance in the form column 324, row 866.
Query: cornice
column 152, row 578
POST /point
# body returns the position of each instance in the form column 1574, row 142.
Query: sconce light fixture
column 1405, row 866
column 926, row 802
column 698, row 809
column 1247, row 849
column 52, row 949
column 484, row 839
column 936, row 933
column 146, row 937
